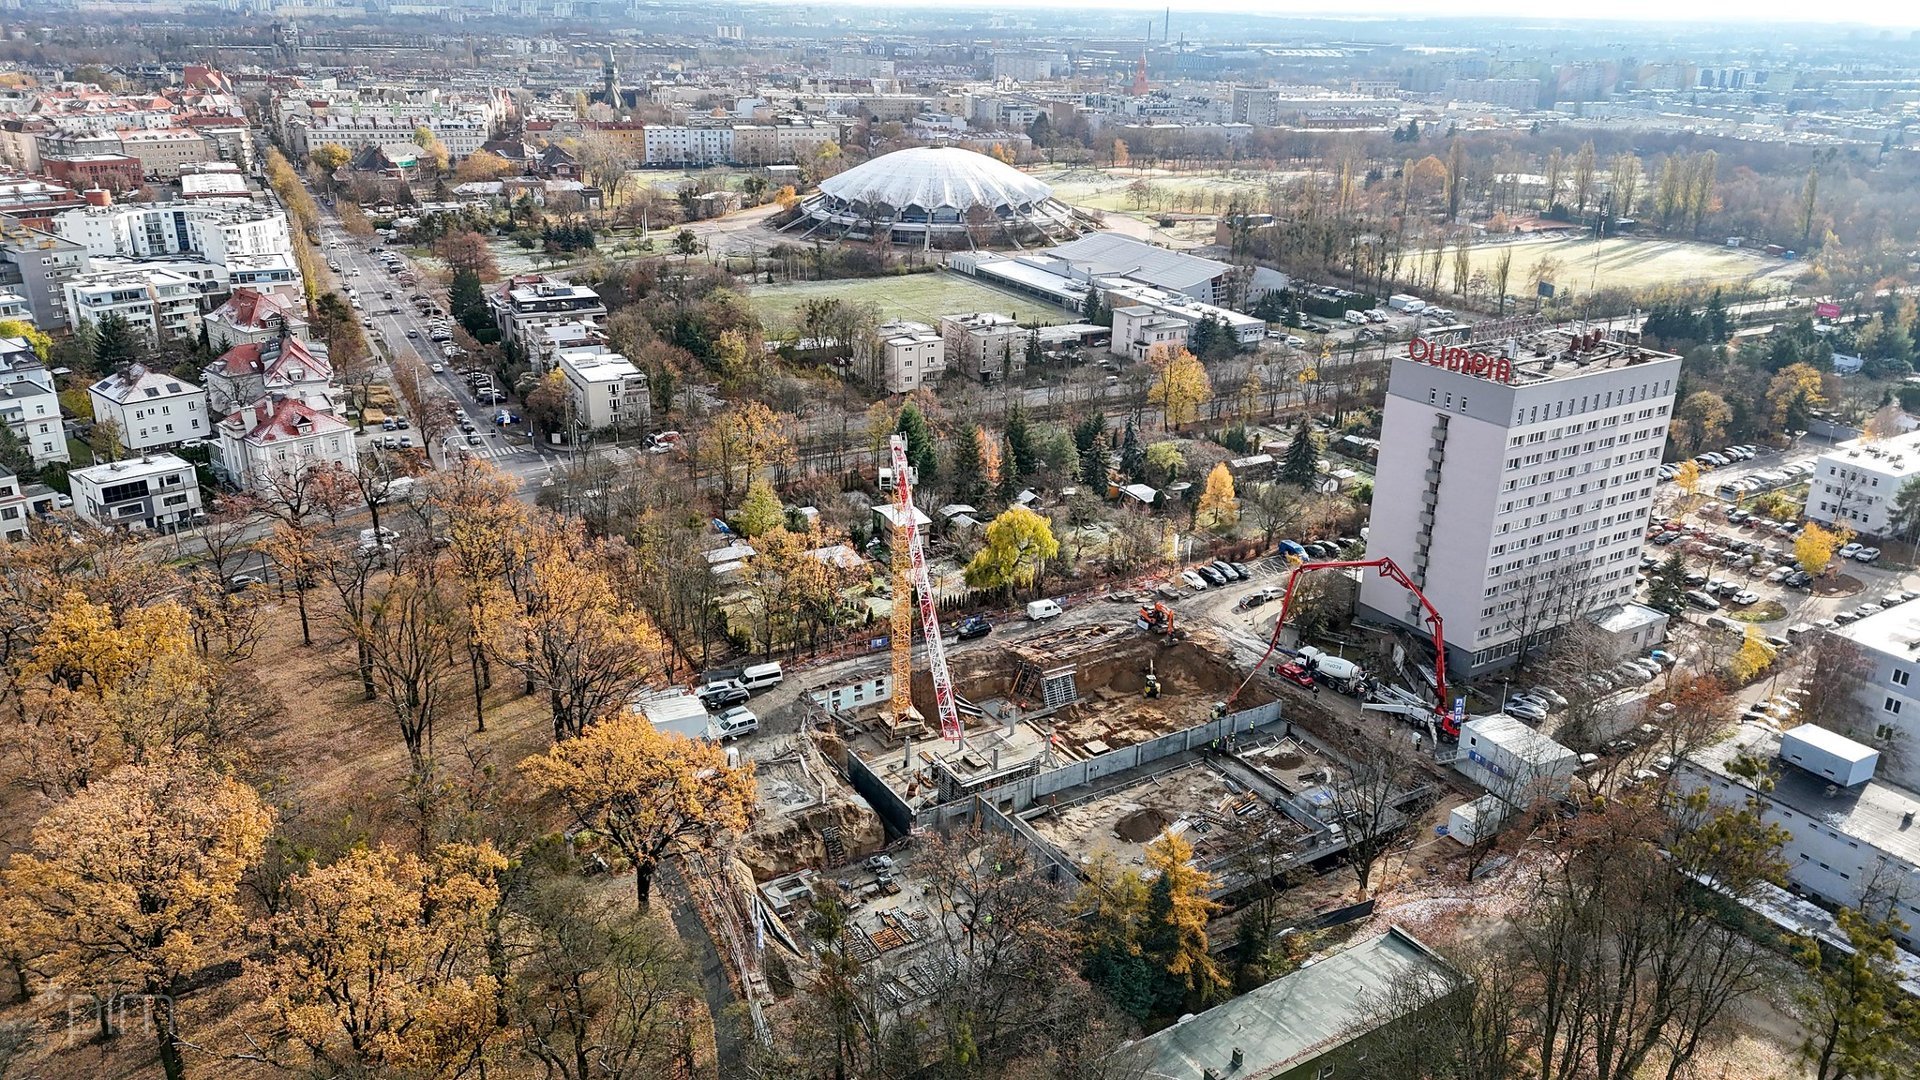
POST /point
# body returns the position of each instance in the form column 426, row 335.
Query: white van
column 1042, row 610
column 1356, row 318
column 761, row 676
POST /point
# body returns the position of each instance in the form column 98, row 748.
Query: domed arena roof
column 932, row 178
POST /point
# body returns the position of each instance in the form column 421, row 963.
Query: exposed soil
column 1142, row 825
column 1842, row 585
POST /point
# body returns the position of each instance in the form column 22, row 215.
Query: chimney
column 260, row 411
column 99, row 196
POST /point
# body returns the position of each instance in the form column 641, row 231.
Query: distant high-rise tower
column 1140, row 76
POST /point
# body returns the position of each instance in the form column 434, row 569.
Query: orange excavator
column 1155, row 618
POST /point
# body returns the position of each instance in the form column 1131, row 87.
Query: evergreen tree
column 1023, row 456
column 115, row 343
column 1717, row 327
column 1092, row 310
column 467, row 304
column 1301, row 465
column 969, row 472
column 922, row 453
column 1093, row 465
column 15, row 456
column 1034, row 355
column 1668, row 588
column 1087, row 430
column 1133, row 456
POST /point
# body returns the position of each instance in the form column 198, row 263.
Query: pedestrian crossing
column 497, row 451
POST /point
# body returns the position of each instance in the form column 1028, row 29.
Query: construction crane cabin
column 911, row 584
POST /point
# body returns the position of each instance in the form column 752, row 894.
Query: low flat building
column 1512, row 760
column 1854, row 484
column 151, row 409
column 1630, row 629
column 1846, row 843
column 153, row 492
column 1887, row 691
column 1311, row 1024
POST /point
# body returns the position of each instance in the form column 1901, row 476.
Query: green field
column 920, row 297
column 1630, row 262
column 1107, row 189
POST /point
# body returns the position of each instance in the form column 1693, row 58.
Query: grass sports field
column 920, row 297
column 1631, row 262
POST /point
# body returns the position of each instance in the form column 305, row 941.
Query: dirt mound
column 1286, row 761
column 1142, row 825
column 1128, row 680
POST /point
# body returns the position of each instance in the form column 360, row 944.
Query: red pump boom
column 1392, row 572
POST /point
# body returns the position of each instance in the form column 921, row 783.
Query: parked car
column 1743, row 598
column 1227, row 571
column 974, row 626
column 1213, row 576
column 1193, row 580
column 722, row 694
column 1521, row 710
column 736, row 722
column 1294, row 673
column 1850, row 550
column 1867, row 554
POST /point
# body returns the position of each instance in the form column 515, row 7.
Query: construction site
column 1065, row 697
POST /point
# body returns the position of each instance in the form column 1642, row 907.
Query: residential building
column 213, row 231
column 279, row 367
column 608, row 391
column 1847, row 844
column 672, row 144
column 1854, row 484
column 150, row 409
column 912, row 355
column 984, row 345
column 265, row 446
column 22, row 504
column 523, row 305
column 252, row 316
column 151, row 492
column 1311, row 1024
column 1521, row 95
column 547, row 340
column 774, row 144
column 1139, row 329
column 1515, row 489
column 164, row 152
column 37, row 265
column 160, row 303
column 30, row 403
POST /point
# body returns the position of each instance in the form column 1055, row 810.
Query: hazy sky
column 1887, row 13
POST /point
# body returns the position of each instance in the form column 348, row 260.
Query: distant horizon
column 1735, row 14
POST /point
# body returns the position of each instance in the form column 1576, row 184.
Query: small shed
column 1512, row 760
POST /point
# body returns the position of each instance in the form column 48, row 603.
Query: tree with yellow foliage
column 1180, row 384
column 1754, row 656
column 1687, row 478
column 138, row 878
column 648, row 793
column 1793, row 395
column 786, row 197
column 1218, row 508
column 1814, row 548
column 571, row 636
column 1144, row 940
column 482, row 166
column 378, row 963
column 1019, row 543
column 476, row 508
column 743, row 440
column 329, row 157
column 35, row 337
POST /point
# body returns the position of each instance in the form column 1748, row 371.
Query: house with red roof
column 268, row 446
column 280, row 367
column 252, row 317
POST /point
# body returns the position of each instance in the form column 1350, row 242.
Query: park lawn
column 1106, row 189
column 919, row 297
column 1634, row 262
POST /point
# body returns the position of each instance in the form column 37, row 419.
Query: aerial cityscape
column 594, row 540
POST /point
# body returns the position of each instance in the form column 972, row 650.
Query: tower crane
column 1440, row 715
column 910, row 583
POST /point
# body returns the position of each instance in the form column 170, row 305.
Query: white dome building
column 944, row 196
